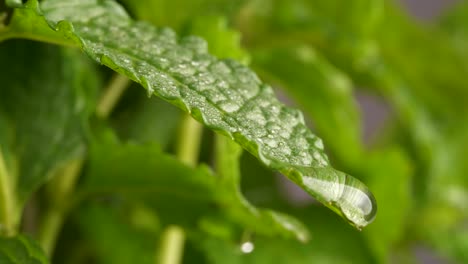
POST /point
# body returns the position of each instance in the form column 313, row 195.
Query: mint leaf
column 223, row 41
column 170, row 13
column 223, row 94
column 331, row 242
column 47, row 96
column 107, row 228
column 262, row 221
column 147, row 174
column 21, row 250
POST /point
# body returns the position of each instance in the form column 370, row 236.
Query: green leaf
column 336, row 28
column 262, row 221
column 21, row 250
column 223, row 42
column 388, row 229
column 323, row 91
column 46, row 95
column 331, row 242
column 223, row 94
column 180, row 194
column 113, row 237
column 170, row 13
column 134, row 119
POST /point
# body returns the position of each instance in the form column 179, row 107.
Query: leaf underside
column 222, row 94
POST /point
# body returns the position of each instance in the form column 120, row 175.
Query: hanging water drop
column 343, row 194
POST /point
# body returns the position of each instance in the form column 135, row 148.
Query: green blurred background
column 383, row 83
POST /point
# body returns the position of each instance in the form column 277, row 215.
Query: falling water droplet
column 247, row 247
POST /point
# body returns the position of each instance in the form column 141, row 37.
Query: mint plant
column 94, row 169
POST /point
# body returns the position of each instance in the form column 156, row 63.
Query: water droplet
column 229, row 107
column 271, row 143
column 256, row 116
column 318, row 143
column 320, row 159
column 342, row 193
column 247, row 247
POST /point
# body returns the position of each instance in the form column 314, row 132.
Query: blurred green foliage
column 320, row 54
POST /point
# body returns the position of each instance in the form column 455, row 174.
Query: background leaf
column 21, row 250
column 107, row 228
column 169, row 13
column 47, row 98
column 178, row 193
column 324, row 246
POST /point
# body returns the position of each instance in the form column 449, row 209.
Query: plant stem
column 172, row 242
column 7, row 201
column 188, row 144
column 52, row 221
column 64, row 184
column 172, row 245
column 117, row 85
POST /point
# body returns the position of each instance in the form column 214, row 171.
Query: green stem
column 61, row 189
column 8, row 223
column 64, row 184
column 112, row 94
column 172, row 242
column 227, row 161
column 172, row 245
column 188, row 144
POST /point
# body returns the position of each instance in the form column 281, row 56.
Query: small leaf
column 223, row 94
column 170, row 13
column 21, row 250
column 223, row 42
